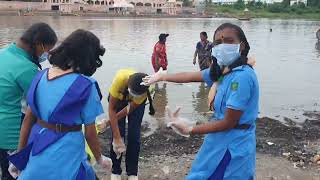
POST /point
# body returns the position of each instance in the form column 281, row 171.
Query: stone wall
column 15, row 5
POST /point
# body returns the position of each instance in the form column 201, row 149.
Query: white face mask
column 134, row 94
column 44, row 56
column 226, row 54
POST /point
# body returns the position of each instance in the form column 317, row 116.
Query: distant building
column 171, row 7
column 271, row 1
column 224, row 1
column 292, row 2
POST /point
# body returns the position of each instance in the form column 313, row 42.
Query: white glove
column 118, row 147
column 14, row 172
column 180, row 125
column 102, row 126
column 103, row 164
column 151, row 79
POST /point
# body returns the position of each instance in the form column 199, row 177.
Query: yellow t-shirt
column 120, row 83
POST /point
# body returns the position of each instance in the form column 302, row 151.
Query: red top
column 159, row 51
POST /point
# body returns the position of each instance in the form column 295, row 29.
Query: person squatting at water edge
column 127, row 98
column 60, row 100
column 19, row 63
column 229, row 148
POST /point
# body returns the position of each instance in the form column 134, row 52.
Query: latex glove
column 103, row 164
column 180, row 125
column 102, row 126
column 118, row 147
column 252, row 61
column 14, row 172
column 151, row 79
column 211, row 95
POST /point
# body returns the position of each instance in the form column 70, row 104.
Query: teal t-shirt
column 16, row 74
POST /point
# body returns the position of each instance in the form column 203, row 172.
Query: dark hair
column 215, row 69
column 79, row 51
column 204, row 34
column 39, row 33
column 134, row 83
column 241, row 36
column 163, row 36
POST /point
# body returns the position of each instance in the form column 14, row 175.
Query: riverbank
column 210, row 13
column 102, row 14
column 284, row 151
column 226, row 11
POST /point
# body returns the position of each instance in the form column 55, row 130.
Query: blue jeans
column 133, row 145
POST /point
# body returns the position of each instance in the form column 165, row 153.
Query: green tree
column 239, row 4
column 252, row 3
column 314, row 3
column 286, row 3
column 186, row 3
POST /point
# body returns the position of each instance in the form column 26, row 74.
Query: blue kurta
column 62, row 159
column 238, row 90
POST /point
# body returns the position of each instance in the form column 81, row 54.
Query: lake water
column 288, row 58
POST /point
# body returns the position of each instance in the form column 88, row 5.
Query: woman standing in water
column 60, row 100
column 159, row 55
column 229, row 148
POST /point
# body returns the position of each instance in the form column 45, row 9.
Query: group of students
column 49, row 141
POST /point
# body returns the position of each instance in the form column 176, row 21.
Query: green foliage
column 239, row 5
column 187, row 3
column 275, row 10
column 314, row 3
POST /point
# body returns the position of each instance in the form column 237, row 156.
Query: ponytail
column 151, row 108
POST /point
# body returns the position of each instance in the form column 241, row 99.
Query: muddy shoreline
column 298, row 143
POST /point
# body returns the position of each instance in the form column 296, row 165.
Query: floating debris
column 270, row 143
column 286, row 154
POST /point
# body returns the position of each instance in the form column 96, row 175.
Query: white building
column 224, row 1
column 271, row 1
column 156, row 6
column 292, row 2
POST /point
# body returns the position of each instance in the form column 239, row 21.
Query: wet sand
column 283, row 151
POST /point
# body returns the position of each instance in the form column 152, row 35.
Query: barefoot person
column 229, row 147
column 60, row 100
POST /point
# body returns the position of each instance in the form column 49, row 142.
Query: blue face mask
column 226, row 54
column 44, row 56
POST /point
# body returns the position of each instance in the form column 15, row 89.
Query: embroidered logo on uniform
column 234, row 86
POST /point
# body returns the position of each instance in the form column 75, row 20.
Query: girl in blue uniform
column 61, row 99
column 229, row 148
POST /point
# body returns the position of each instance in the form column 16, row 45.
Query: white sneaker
column 115, row 177
column 132, row 177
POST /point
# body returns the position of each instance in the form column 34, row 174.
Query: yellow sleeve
column 116, row 87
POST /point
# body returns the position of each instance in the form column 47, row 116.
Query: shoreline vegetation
column 260, row 10
column 238, row 10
